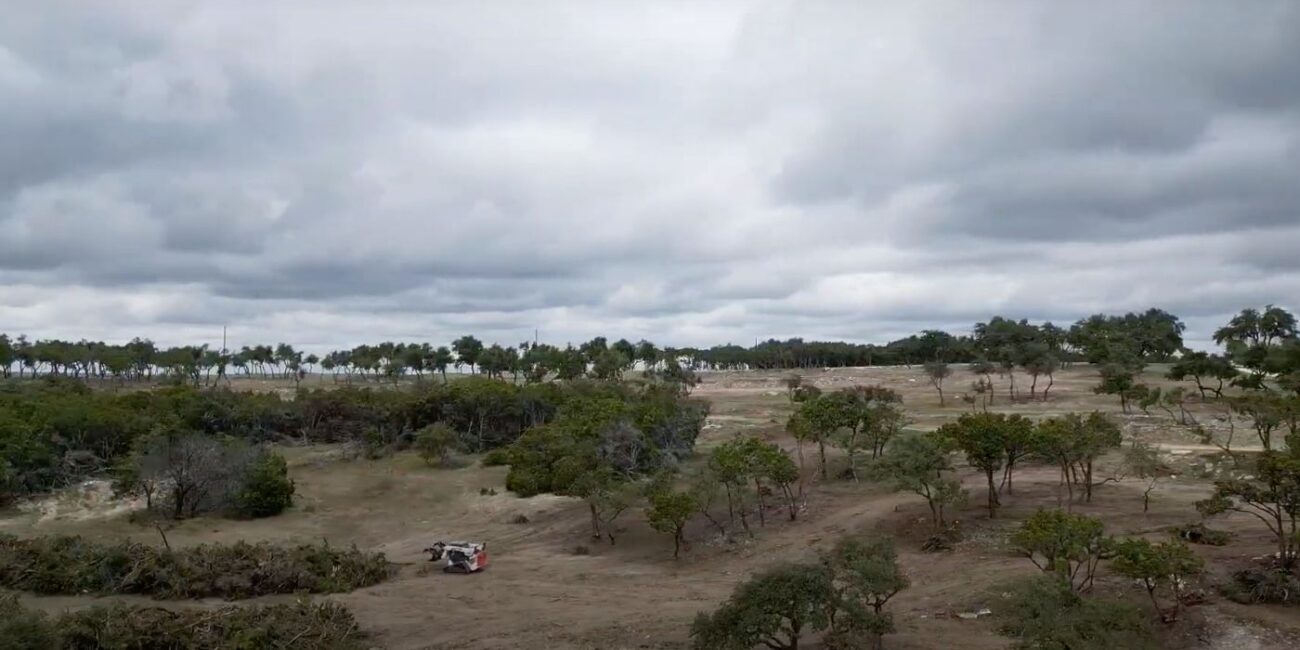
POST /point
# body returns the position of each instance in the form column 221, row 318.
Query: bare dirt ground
column 538, row 593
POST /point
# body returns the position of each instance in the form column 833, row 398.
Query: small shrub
column 497, row 457
column 267, row 489
column 24, row 629
column 519, row 519
column 487, row 492
column 1043, row 612
column 1197, row 533
column 581, row 550
column 1264, row 585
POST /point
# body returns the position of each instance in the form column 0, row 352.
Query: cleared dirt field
column 538, row 593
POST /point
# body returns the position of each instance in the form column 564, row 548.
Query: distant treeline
column 1153, row 335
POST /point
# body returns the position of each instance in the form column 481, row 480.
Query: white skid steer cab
column 466, row 557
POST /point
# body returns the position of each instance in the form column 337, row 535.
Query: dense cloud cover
column 331, row 173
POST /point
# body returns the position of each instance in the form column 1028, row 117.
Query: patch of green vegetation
column 74, row 565
column 307, row 626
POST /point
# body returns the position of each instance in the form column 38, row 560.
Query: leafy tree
column 775, row 609
column 1074, row 443
column 989, row 440
column 1120, row 380
column 435, row 443
column 1271, row 494
column 984, row 369
column 609, row 365
column 495, row 361
column 467, row 350
column 682, row 379
column 774, row 465
column 732, row 466
column 823, row 416
column 647, row 353
column 1253, row 339
column 1268, row 412
column 919, row 463
column 1152, row 335
column 1203, row 367
column 1038, row 361
column 865, row 575
column 670, row 510
column 569, row 364
column 937, row 372
column 607, row 494
column 1143, row 460
column 1043, row 612
column 1167, row 565
column 1067, row 545
column 440, row 359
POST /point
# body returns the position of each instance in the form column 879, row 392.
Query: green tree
column 1253, row 340
column 866, row 575
column 1120, row 380
column 1074, row 443
column 1167, row 566
column 919, row 463
column 1270, row 492
column 984, row 369
column 669, row 512
column 1067, row 545
column 1203, row 367
column 609, row 365
column 435, row 443
column 467, row 350
column 989, row 440
column 823, row 416
column 937, row 372
column 775, row 608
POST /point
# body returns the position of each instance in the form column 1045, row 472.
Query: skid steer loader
column 466, row 557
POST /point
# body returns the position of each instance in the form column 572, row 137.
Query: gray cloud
column 688, row 173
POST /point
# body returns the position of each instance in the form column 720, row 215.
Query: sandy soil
column 538, row 593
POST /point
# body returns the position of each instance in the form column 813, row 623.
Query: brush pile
column 310, row 626
column 74, row 565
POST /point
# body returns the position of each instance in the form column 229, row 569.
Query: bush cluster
column 75, row 565
column 55, row 430
column 1044, row 612
column 301, row 625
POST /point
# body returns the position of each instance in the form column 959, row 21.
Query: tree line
column 1153, row 335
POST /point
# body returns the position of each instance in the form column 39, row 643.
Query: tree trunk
column 595, row 522
column 798, row 445
column 758, row 491
column 993, row 495
column 821, row 449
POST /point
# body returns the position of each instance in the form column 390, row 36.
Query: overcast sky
column 332, row 173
